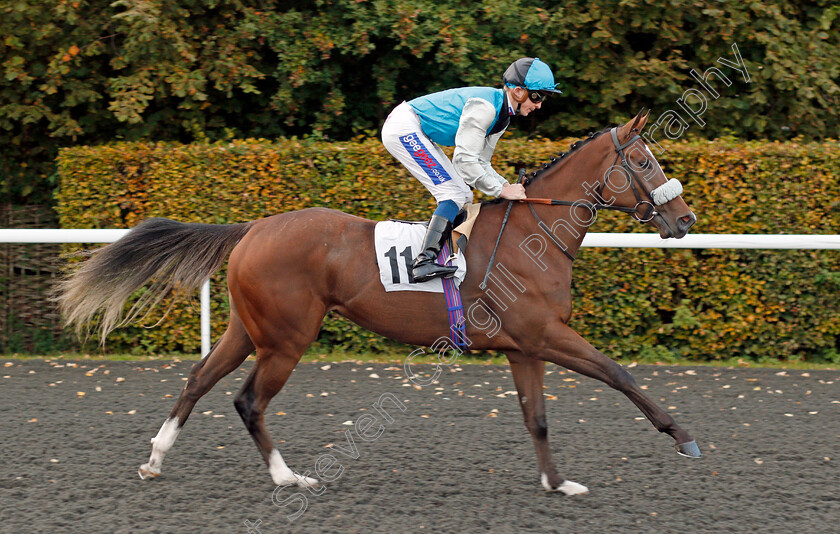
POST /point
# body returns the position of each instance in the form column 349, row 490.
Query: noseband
column 657, row 197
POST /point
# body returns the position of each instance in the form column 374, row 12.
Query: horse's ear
column 636, row 123
column 640, row 120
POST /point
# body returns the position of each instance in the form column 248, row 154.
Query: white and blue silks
column 472, row 119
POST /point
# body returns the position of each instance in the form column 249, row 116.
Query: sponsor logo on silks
column 433, row 169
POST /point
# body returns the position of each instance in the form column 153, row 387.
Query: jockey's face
column 520, row 94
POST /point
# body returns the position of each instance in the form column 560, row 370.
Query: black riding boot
column 425, row 266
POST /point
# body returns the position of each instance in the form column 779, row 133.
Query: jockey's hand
column 513, row 191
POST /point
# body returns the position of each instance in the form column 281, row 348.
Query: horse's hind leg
column 228, row 353
column 273, row 367
column 528, row 377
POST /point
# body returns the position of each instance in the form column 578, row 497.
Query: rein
column 502, row 229
column 650, row 212
column 591, row 205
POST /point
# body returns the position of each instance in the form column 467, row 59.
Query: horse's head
column 635, row 180
column 614, row 170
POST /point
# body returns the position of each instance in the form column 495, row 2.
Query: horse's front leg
column 566, row 348
column 528, row 377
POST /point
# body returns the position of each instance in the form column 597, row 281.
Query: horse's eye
column 645, row 164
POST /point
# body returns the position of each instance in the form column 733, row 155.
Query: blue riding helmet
column 532, row 74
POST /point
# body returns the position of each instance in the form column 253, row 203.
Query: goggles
column 536, row 97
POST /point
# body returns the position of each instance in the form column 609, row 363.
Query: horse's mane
column 555, row 160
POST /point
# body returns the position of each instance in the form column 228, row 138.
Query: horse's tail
column 179, row 256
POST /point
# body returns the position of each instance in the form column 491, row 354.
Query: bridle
column 650, row 211
column 657, row 196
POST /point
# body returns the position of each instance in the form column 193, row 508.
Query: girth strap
column 454, row 305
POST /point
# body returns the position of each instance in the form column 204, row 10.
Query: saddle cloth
column 398, row 243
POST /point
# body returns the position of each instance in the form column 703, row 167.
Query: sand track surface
column 458, row 459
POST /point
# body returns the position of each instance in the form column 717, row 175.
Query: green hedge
column 664, row 304
column 89, row 71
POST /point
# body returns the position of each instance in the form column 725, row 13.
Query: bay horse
column 285, row 272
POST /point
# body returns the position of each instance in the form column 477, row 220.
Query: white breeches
column 425, row 160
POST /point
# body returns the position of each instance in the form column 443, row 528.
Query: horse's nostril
column 686, row 221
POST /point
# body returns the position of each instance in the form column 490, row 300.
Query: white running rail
column 64, row 235
column 757, row 241
column 739, row 241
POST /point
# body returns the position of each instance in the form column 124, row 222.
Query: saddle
column 462, row 226
column 396, row 243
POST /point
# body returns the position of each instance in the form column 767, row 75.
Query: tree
column 91, row 71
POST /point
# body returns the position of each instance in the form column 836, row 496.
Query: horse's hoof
column 290, row 478
column 304, row 482
column 146, row 472
column 688, row 449
column 572, row 488
column 567, row 487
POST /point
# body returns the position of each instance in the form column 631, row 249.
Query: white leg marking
column 160, row 445
column 568, row 487
column 281, row 474
column 544, row 481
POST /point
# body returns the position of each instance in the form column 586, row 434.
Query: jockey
column 472, row 119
